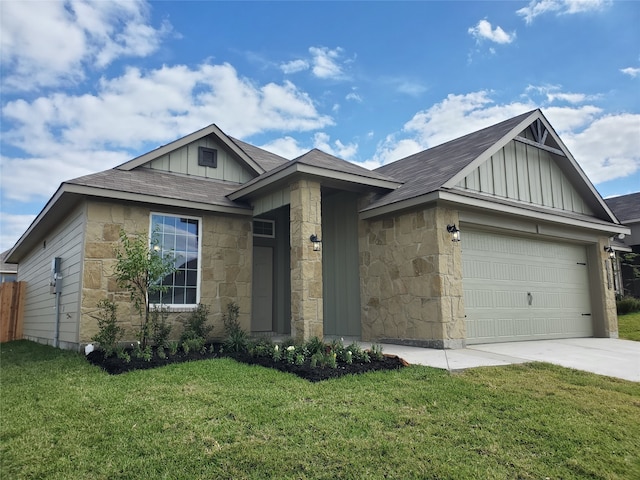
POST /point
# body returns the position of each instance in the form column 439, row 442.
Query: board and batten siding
column 340, row 265
column 185, row 160
column 523, row 172
column 40, row 308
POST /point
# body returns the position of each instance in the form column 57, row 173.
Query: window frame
column 176, row 307
column 262, row 235
column 202, row 162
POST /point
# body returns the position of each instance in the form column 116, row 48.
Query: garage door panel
column 522, row 289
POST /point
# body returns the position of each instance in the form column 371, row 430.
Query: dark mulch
column 115, row 365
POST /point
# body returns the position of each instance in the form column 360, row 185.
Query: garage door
column 523, row 289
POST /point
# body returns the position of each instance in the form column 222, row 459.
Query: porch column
column 306, row 265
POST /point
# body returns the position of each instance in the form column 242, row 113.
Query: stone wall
column 604, row 286
column 411, row 279
column 225, row 266
column 306, row 264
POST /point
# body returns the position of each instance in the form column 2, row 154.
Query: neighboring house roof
column 7, row 267
column 333, row 170
column 626, row 207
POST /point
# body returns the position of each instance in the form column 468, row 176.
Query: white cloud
column 12, row 227
column 554, row 93
column 606, row 146
column 294, row 66
column 632, row 72
column 322, row 141
column 286, row 147
column 47, row 44
column 560, row 7
column 325, row 62
column 484, row 31
column 140, row 110
column 354, row 97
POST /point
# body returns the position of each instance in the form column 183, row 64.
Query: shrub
column 195, row 326
column 627, row 305
column 109, row 332
column 160, row 328
column 237, row 339
column 376, row 352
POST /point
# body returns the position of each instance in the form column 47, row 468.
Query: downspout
column 56, row 288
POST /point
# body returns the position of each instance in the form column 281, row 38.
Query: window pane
column 178, row 237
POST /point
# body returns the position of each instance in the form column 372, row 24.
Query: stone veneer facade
column 306, row 264
column 226, row 263
column 411, row 279
column 608, row 327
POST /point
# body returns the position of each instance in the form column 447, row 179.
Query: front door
column 262, row 297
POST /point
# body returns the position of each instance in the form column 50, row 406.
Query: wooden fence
column 11, row 310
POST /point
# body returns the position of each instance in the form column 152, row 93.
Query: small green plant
column 122, row 354
column 160, row 327
column 276, row 354
column 194, row 344
column 140, row 269
column 173, row 347
column 147, row 353
column 137, row 350
column 195, row 328
column 160, row 351
column 376, row 352
column 109, row 331
column 237, row 339
column 314, row 345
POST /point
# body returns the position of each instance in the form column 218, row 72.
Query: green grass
column 629, row 326
column 63, row 418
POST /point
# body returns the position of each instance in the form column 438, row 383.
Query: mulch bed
column 114, row 365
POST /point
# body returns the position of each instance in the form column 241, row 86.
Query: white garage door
column 522, row 289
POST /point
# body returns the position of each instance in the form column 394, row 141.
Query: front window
column 180, row 238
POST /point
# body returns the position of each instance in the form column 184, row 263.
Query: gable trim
column 181, row 142
column 301, row 168
column 486, row 155
column 585, row 184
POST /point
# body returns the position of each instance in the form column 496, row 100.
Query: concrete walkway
column 604, row 356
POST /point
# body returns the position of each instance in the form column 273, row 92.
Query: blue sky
column 89, row 85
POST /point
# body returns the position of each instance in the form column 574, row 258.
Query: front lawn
column 64, row 418
column 629, row 326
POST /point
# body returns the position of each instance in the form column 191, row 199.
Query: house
column 318, row 246
column 8, row 271
column 627, row 210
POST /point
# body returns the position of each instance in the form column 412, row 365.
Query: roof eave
column 69, row 190
column 455, row 198
column 300, row 168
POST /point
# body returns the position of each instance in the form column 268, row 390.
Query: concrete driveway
column 604, row 356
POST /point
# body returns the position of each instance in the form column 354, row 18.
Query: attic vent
column 264, row 228
column 207, row 157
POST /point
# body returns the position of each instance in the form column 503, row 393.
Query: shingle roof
column 429, row 170
column 161, row 184
column 320, row 159
column 265, row 159
column 625, row 207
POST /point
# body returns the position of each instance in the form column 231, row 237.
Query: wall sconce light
column 610, row 251
column 316, row 242
column 455, row 233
